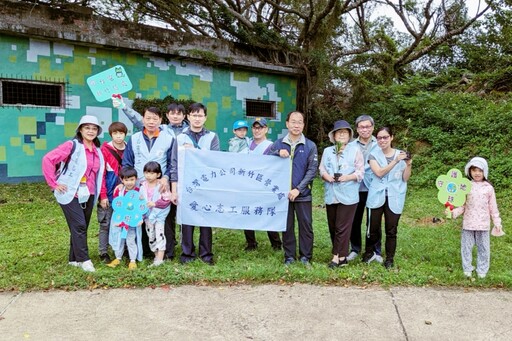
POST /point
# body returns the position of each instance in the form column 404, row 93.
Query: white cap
column 89, row 119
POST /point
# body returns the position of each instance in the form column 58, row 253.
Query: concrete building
column 47, row 56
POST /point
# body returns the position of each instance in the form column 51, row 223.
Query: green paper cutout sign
column 453, row 188
column 109, row 82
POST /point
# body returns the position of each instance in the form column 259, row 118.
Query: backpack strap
column 66, row 163
column 117, row 157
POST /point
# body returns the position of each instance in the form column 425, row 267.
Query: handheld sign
column 109, row 82
column 129, row 210
column 453, row 188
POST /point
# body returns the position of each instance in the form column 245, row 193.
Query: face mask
column 83, row 193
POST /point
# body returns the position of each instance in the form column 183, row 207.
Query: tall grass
column 34, row 241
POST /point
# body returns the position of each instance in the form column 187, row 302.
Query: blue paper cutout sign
column 129, row 209
column 109, row 82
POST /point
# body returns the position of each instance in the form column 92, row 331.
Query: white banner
column 232, row 190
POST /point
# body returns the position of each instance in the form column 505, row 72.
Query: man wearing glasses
column 366, row 143
column 197, row 136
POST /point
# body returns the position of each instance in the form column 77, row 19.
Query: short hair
column 117, row 127
column 295, row 112
column 127, row 172
column 153, row 167
column 153, row 110
column 176, row 107
column 364, row 117
column 195, row 107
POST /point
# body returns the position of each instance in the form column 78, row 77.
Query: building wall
column 27, row 133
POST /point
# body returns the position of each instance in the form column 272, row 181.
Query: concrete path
column 263, row 312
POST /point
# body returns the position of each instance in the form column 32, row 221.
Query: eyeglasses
column 197, row 116
column 257, row 127
column 383, row 138
column 364, row 127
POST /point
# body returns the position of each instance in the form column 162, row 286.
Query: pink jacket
column 479, row 208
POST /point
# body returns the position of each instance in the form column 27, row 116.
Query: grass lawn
column 34, row 242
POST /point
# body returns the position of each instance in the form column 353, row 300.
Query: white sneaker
column 156, row 263
column 352, row 255
column 74, row 263
column 467, row 273
column 379, row 259
column 87, row 266
column 481, row 275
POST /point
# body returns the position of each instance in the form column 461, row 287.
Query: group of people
column 362, row 173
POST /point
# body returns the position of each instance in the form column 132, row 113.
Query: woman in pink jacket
column 479, row 209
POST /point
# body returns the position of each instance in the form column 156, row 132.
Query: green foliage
column 140, row 104
column 446, row 129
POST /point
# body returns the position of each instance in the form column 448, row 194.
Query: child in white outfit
column 159, row 206
column 479, row 209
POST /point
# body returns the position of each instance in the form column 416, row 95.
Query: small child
column 113, row 154
column 159, row 206
column 128, row 176
column 240, row 143
column 477, row 212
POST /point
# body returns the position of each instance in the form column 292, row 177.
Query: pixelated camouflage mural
column 27, row 133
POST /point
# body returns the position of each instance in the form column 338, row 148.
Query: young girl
column 133, row 238
column 478, row 210
column 158, row 205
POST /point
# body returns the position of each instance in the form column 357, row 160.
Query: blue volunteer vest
column 346, row 193
column 158, row 152
column 392, row 182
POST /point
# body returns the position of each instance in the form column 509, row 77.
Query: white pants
column 156, row 235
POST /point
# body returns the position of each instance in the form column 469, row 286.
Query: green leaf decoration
column 453, row 188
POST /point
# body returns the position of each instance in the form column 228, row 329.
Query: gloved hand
column 117, row 101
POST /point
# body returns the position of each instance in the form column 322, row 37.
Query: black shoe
column 105, row 258
column 251, row 247
column 276, row 247
column 388, row 264
column 369, row 257
column 209, row 262
column 185, row 260
column 333, row 265
column 343, row 262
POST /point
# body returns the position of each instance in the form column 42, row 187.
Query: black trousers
column 390, row 226
column 355, row 234
column 304, row 212
column 188, row 249
column 170, row 232
column 339, row 220
column 78, row 217
column 273, row 237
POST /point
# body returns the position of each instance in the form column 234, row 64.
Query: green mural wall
column 27, row 133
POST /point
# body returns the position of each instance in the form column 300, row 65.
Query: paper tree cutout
column 453, row 188
column 129, row 209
